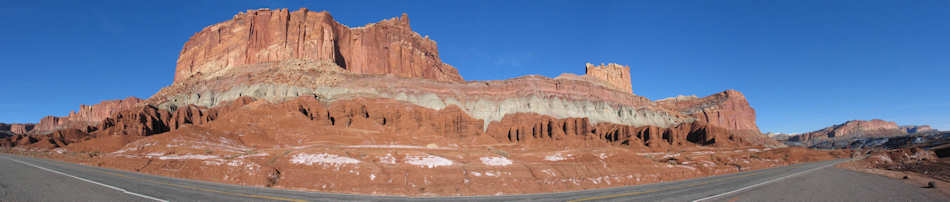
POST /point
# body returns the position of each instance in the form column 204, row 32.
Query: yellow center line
column 199, row 188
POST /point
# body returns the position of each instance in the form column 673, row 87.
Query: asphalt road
column 32, row 179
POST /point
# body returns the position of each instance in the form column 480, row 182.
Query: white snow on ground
column 670, row 155
column 650, row 154
column 495, row 161
column 372, row 177
column 428, row 161
column 253, row 155
column 556, row 157
column 221, row 144
column 549, row 172
column 123, row 150
column 388, row 159
column 703, row 152
column 393, row 146
column 322, row 159
column 687, row 167
column 476, row 174
column 59, row 150
column 216, row 162
column 603, row 156
column 186, row 156
column 754, row 150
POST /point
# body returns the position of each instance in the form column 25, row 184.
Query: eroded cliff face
column 387, row 47
column 16, row 128
column 728, row 109
column 614, row 75
column 19, row 128
column 86, row 117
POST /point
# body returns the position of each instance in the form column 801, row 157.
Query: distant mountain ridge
column 854, row 129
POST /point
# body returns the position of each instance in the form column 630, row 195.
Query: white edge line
column 763, row 183
column 90, row 181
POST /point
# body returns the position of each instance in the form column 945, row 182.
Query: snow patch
column 495, row 161
column 428, row 161
column 253, row 155
column 556, row 157
column 388, row 159
column 186, row 156
column 322, row 159
column 650, row 154
column 549, row 172
column 670, row 155
column 393, row 146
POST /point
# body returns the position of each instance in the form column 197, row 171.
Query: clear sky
column 803, row 65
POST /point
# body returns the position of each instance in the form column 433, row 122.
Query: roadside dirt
column 913, row 166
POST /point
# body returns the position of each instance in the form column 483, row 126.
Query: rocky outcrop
column 16, row 128
column 917, row 128
column 387, row 47
column 87, row 116
column 728, row 109
column 615, row 76
column 21, row 128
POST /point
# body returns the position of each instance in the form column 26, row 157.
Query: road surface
column 32, row 179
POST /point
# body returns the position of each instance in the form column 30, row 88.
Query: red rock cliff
column 728, row 109
column 87, row 115
column 614, row 75
column 20, row 128
column 386, row 47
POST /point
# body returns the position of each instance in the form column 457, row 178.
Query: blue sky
column 803, row 65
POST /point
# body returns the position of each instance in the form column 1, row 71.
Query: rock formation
column 21, row 128
column 728, row 109
column 917, row 128
column 859, row 129
column 280, row 98
column 386, row 47
column 616, row 76
column 86, row 116
column 16, row 128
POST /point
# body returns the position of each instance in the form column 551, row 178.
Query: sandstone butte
column 296, row 100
